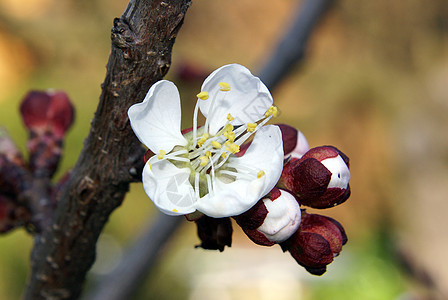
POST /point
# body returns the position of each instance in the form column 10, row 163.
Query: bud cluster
column 316, row 178
column 26, row 193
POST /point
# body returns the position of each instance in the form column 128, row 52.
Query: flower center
column 209, row 156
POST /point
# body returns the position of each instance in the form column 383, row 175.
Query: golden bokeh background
column 374, row 83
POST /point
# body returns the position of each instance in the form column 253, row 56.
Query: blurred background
column 374, row 84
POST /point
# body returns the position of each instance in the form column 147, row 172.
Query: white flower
column 199, row 170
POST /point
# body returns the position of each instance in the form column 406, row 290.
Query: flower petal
column 264, row 154
column 156, row 120
column 247, row 100
column 168, row 187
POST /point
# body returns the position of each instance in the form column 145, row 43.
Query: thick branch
column 142, row 40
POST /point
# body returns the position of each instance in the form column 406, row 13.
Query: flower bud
column 48, row 115
column 320, row 178
column 47, row 111
column 272, row 220
column 318, row 240
column 294, row 142
column 214, row 233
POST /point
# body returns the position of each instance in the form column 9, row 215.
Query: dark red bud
column 214, row 233
column 289, row 137
column 47, row 111
column 321, row 153
column 251, row 220
column 318, row 240
column 307, row 178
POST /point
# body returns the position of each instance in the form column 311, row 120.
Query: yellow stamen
column 203, row 139
column 202, row 95
column 234, row 148
column 260, row 174
column 272, row 111
column 161, row 154
column 216, row 145
column 228, row 128
column 150, row 166
column 224, row 155
column 204, row 161
column 251, row 127
column 230, row 118
column 229, row 135
column 175, row 210
column 208, row 153
column 224, row 86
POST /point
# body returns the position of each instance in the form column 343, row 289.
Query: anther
column 150, row 166
column 224, row 86
column 204, row 161
column 203, row 139
column 208, row 153
column 161, row 154
column 251, row 127
column 260, row 174
column 216, row 145
column 230, row 118
column 228, row 128
column 175, row 210
column 272, row 111
column 229, row 135
column 202, row 95
column 224, row 155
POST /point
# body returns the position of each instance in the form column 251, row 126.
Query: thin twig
column 291, row 49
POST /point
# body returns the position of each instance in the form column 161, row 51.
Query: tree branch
column 142, row 40
column 125, row 279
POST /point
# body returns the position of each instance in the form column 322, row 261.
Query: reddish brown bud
column 47, row 111
column 320, row 178
column 214, row 233
column 271, row 220
column 294, row 142
column 48, row 115
column 318, row 240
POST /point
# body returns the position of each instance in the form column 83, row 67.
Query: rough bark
column 142, row 40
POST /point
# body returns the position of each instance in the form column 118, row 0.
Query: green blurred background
column 374, row 84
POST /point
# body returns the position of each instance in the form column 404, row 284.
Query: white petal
column 340, row 174
column 168, row 187
column 264, row 154
column 283, row 218
column 156, row 120
column 247, row 100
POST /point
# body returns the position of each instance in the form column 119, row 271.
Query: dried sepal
column 214, row 233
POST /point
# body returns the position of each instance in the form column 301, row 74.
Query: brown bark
column 142, row 40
